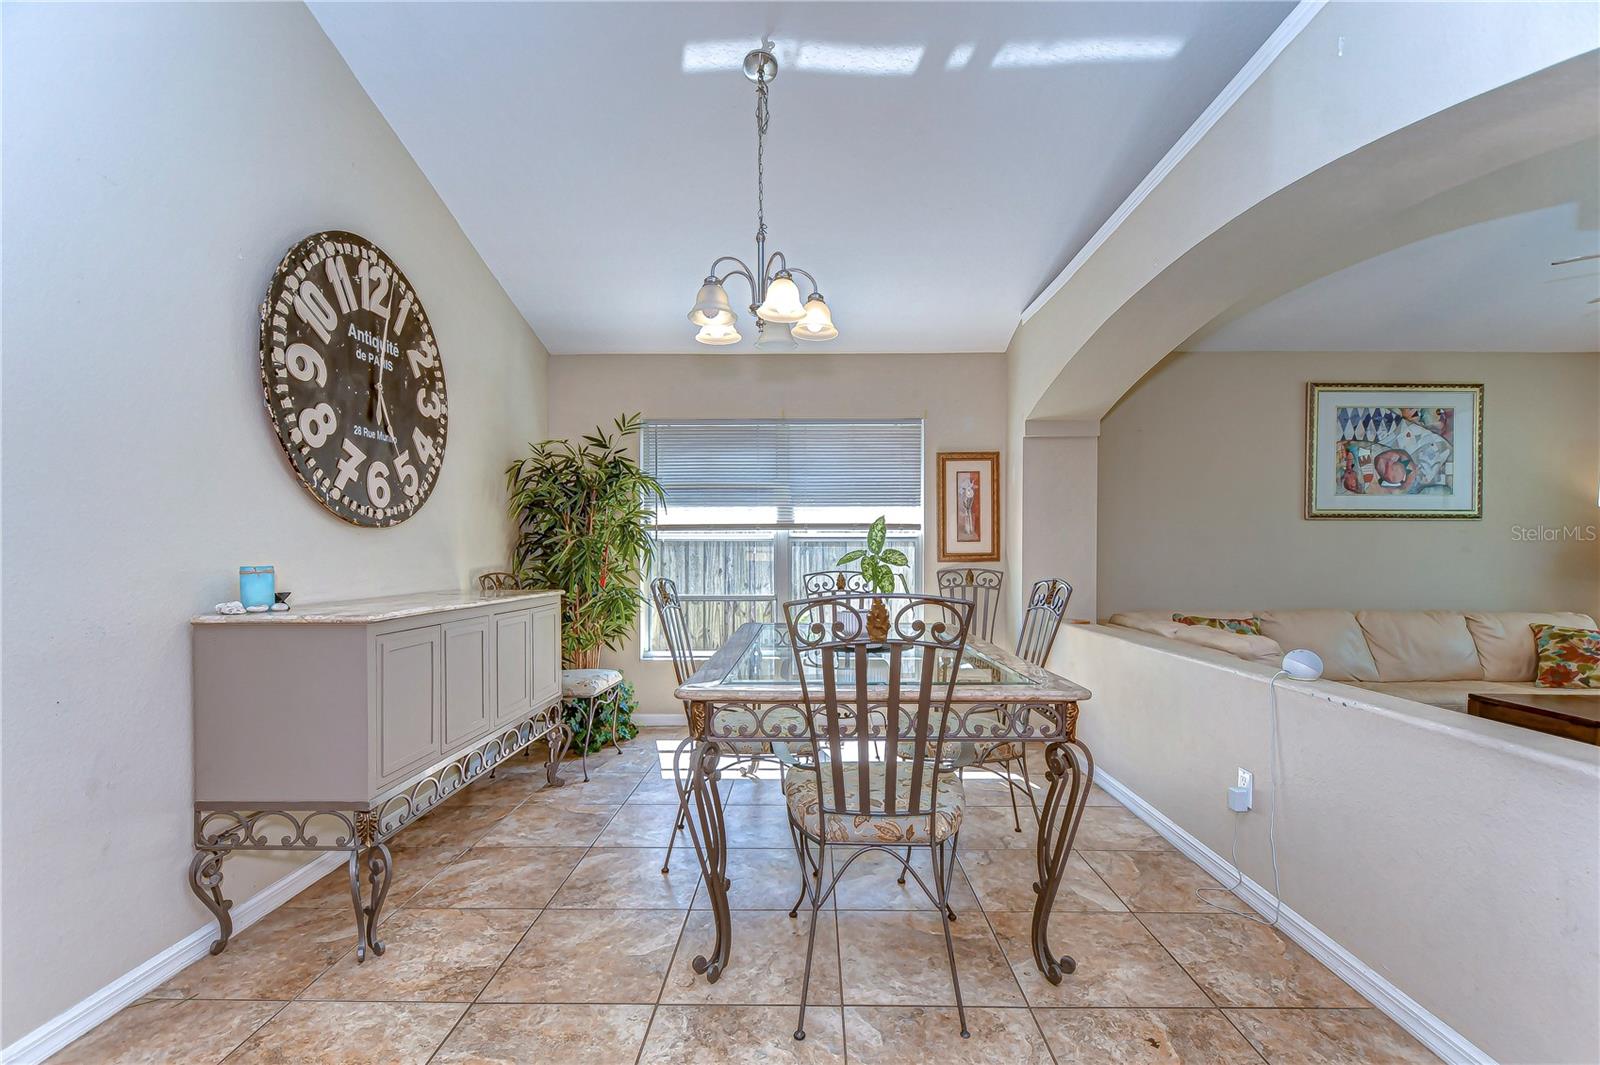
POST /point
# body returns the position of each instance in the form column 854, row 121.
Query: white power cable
column 1272, row 825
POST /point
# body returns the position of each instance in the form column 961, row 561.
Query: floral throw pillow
column 1242, row 626
column 1568, row 657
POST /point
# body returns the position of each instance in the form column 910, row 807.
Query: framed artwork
column 969, row 506
column 1394, row 451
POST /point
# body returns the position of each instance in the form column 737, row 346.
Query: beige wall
column 961, row 399
column 1202, row 480
column 1456, row 857
column 158, row 162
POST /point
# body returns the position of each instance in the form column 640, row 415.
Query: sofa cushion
column 1160, row 621
column 1505, row 640
column 1250, row 647
column 1420, row 645
column 1250, row 626
column 1568, row 657
column 1333, row 634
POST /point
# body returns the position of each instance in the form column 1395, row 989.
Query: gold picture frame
column 969, row 506
column 1394, row 452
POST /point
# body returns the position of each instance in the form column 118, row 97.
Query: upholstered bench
column 593, row 686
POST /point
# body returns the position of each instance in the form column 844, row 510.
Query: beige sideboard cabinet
column 332, row 727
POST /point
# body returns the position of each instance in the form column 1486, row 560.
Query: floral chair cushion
column 800, row 789
column 1568, row 657
column 588, row 683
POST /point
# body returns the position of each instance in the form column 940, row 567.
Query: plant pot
column 878, row 622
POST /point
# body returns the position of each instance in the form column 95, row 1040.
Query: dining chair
column 878, row 779
column 981, row 588
column 496, row 581
column 675, row 626
column 1041, row 620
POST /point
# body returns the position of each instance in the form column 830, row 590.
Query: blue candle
column 256, row 585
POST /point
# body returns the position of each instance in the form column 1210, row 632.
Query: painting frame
column 1460, row 497
column 969, row 485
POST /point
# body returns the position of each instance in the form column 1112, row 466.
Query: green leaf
column 876, row 535
column 849, row 557
column 895, row 557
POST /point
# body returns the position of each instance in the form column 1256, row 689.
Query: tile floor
column 528, row 924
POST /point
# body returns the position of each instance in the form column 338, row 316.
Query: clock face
column 353, row 379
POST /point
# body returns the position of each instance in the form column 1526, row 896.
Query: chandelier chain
column 761, row 167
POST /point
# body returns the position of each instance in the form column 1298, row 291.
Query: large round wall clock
column 353, row 379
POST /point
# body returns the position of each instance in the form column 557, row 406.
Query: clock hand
column 383, row 405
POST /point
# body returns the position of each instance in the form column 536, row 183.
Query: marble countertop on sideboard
column 382, row 608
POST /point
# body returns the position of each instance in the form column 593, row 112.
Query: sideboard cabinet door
column 546, row 654
column 467, row 682
column 409, row 697
column 513, row 664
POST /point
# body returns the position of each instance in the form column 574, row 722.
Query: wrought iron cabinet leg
column 379, row 863
column 1070, row 771
column 559, row 740
column 205, row 880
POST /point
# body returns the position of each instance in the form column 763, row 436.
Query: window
column 751, row 506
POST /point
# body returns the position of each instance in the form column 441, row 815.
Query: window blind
column 786, row 465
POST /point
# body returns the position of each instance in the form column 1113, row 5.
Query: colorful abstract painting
column 1393, row 451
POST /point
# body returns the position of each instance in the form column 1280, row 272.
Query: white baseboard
column 131, row 986
column 1429, row 1030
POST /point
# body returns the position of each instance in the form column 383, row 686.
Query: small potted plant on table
column 877, row 564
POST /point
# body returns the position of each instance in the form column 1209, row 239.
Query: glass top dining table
column 748, row 696
column 751, row 689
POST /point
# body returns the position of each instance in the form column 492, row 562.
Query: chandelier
column 781, row 316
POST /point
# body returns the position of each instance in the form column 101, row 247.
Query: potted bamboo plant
column 583, row 518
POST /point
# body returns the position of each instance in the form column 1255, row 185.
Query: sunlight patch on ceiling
column 703, row 57
column 817, row 57
column 1021, row 54
column 870, row 60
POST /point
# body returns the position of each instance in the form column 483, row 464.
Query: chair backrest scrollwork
column 669, row 609
column 923, row 648
column 833, row 582
column 1041, row 620
column 981, row 588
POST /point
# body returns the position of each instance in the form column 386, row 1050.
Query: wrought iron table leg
column 205, row 880
column 379, row 864
column 559, row 740
column 1070, row 770
column 708, row 833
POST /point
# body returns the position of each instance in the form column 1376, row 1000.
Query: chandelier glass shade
column 718, row 334
column 817, row 323
column 782, row 316
column 711, row 306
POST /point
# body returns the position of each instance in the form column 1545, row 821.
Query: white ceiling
column 934, row 164
column 1480, row 280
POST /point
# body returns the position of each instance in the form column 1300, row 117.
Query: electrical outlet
column 1242, row 796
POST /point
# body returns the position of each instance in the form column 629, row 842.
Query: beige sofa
column 1430, row 656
